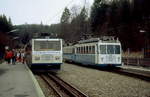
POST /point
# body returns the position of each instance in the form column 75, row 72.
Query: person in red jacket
column 8, row 56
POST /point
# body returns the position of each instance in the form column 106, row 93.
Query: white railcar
column 97, row 51
column 68, row 53
column 46, row 53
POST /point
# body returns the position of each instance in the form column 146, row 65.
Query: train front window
column 102, row 49
column 110, row 49
column 47, row 46
column 117, row 49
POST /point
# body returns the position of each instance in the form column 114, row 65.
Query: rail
column 144, row 75
column 61, row 88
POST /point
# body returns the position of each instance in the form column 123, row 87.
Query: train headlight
column 37, row 58
column 57, row 58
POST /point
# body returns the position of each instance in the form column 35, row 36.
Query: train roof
column 46, row 39
column 104, row 39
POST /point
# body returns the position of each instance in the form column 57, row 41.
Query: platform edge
column 36, row 84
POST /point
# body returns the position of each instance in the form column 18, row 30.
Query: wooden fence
column 137, row 61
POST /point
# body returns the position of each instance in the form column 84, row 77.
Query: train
column 44, row 54
column 102, row 52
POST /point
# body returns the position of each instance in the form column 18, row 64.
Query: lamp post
column 145, row 42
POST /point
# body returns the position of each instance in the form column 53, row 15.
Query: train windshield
column 109, row 49
column 47, row 45
column 117, row 49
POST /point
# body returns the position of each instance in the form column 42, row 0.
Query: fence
column 137, row 61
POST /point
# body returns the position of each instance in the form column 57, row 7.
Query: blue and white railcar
column 97, row 51
column 69, row 53
column 46, row 53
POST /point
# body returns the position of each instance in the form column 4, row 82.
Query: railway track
column 61, row 88
column 144, row 75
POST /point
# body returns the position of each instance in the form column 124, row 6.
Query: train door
column 97, row 54
column 102, row 54
column 74, row 53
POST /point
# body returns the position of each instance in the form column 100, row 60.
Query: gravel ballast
column 45, row 88
column 98, row 83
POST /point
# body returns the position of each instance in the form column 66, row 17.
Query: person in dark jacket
column 14, row 56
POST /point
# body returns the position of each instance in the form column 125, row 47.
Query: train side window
column 90, row 49
column 93, row 49
column 69, row 50
column 85, row 49
column 81, row 50
column 72, row 50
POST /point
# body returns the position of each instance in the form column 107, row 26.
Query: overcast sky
column 35, row 11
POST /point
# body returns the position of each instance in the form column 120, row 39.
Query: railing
column 137, row 61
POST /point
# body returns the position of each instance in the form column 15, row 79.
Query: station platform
column 18, row 81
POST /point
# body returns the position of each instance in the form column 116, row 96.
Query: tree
column 65, row 20
column 5, row 24
column 65, row 16
column 122, row 18
column 83, row 17
column 98, row 16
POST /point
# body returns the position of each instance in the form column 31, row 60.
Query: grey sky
column 35, row 11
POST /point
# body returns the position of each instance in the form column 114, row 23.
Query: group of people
column 14, row 55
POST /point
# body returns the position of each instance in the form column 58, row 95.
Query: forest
column 129, row 20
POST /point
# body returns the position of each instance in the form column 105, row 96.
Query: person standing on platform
column 14, row 56
column 23, row 57
column 8, row 56
column 17, row 59
column 19, row 56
